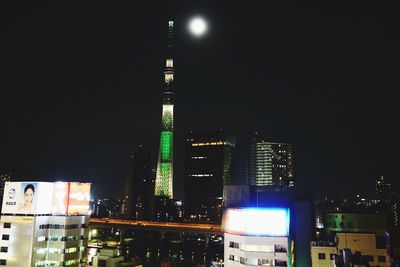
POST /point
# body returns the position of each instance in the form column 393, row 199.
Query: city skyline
column 80, row 94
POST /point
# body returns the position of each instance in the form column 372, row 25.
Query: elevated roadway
column 156, row 226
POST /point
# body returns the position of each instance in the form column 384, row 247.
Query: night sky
column 80, row 87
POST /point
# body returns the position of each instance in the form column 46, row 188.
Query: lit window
column 169, row 63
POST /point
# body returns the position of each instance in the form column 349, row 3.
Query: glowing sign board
column 79, row 197
column 257, row 221
column 71, row 198
column 60, row 199
column 27, row 198
column 46, row 198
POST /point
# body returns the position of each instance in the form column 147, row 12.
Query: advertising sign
column 71, row 198
column 257, row 221
column 27, row 198
column 58, row 198
column 79, row 197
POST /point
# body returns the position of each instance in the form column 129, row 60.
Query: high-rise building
column 139, row 186
column 386, row 201
column 383, row 189
column 44, row 224
column 208, row 168
column 164, row 174
column 3, row 179
column 270, row 164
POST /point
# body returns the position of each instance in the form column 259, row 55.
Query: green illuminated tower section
column 164, row 175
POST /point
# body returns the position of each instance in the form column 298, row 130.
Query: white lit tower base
column 44, row 224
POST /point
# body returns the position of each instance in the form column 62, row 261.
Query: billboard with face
column 46, row 198
column 27, row 198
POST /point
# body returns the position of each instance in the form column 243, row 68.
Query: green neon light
column 166, row 146
column 165, row 169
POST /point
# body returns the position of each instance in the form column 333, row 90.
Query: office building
column 270, row 164
column 139, row 186
column 257, row 236
column 357, row 249
column 208, row 168
column 387, row 202
column 44, row 224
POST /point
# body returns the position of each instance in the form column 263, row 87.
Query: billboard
column 71, row 198
column 257, row 221
column 27, row 198
column 79, row 197
column 58, row 198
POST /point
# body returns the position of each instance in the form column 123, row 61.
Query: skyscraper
column 164, row 174
column 387, row 202
column 270, row 164
column 139, row 186
column 208, row 167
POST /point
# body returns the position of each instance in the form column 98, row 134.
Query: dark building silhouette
column 208, row 167
column 139, row 186
column 387, row 201
column 270, row 164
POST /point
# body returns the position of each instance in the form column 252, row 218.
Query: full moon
column 198, row 26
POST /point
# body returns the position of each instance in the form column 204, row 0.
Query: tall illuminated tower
column 164, row 175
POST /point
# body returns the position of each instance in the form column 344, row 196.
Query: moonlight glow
column 198, row 26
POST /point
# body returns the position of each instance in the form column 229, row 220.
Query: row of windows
column 58, row 226
column 256, row 261
column 258, row 248
column 60, row 238
column 59, row 250
column 56, row 263
column 51, row 226
column 3, row 262
column 369, row 258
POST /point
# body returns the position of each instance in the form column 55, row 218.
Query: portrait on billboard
column 27, row 199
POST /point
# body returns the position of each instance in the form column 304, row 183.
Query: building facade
column 387, row 202
column 358, row 249
column 44, row 224
column 139, row 186
column 270, row 164
column 208, row 168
